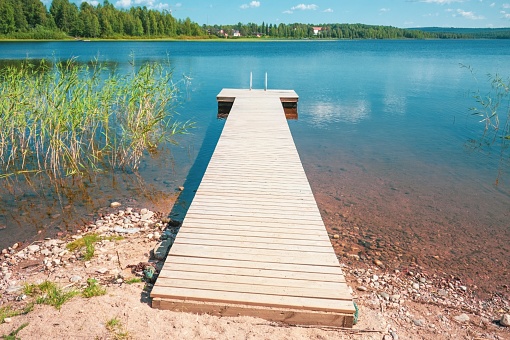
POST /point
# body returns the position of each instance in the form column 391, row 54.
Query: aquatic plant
column 493, row 110
column 76, row 118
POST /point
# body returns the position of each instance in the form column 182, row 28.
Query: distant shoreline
column 254, row 40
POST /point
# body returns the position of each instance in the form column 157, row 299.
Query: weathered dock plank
column 253, row 241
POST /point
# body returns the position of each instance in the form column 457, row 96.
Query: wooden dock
column 253, row 241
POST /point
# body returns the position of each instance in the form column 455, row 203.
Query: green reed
column 72, row 119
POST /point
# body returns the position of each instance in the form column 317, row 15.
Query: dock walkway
column 253, row 241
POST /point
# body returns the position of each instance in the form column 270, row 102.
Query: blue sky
column 399, row 13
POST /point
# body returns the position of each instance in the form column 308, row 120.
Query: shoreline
column 230, row 40
column 411, row 304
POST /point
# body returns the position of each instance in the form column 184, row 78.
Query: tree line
column 32, row 19
column 326, row 31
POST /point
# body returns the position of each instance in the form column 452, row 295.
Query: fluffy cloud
column 252, row 4
column 329, row 10
column 469, row 15
column 123, row 3
column 442, row 2
column 152, row 4
column 384, row 10
column 304, row 7
column 92, row 2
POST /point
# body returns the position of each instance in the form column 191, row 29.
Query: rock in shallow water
column 115, row 204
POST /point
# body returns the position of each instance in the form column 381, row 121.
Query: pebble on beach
column 462, row 318
column 505, row 320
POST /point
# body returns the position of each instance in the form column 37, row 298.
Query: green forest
column 31, row 19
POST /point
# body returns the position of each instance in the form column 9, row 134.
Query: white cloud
column 506, row 6
column 304, row 7
column 287, row 12
column 253, row 4
column 151, row 4
column 92, row 2
column 328, row 10
column 160, row 6
column 441, row 2
column 123, row 3
column 492, row 5
column 469, row 15
column 383, row 10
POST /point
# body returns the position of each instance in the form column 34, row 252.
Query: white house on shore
column 316, row 30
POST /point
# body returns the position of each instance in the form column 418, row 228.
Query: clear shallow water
column 382, row 131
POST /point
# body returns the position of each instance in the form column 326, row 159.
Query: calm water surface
column 383, row 134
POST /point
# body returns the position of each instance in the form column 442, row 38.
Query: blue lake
column 383, row 135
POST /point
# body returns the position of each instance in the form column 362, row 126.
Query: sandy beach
column 393, row 304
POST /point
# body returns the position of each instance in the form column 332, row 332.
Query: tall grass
column 72, row 119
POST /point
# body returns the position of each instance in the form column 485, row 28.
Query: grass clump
column 115, row 327
column 134, row 280
column 8, row 311
column 88, row 242
column 113, row 324
column 14, row 334
column 93, row 289
column 48, row 293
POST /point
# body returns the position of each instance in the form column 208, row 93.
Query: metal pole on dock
column 251, row 80
column 265, row 87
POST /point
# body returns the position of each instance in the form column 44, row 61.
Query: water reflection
column 323, row 114
column 395, row 103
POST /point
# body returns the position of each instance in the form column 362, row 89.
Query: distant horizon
column 397, row 13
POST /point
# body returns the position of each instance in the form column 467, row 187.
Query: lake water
column 383, row 135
